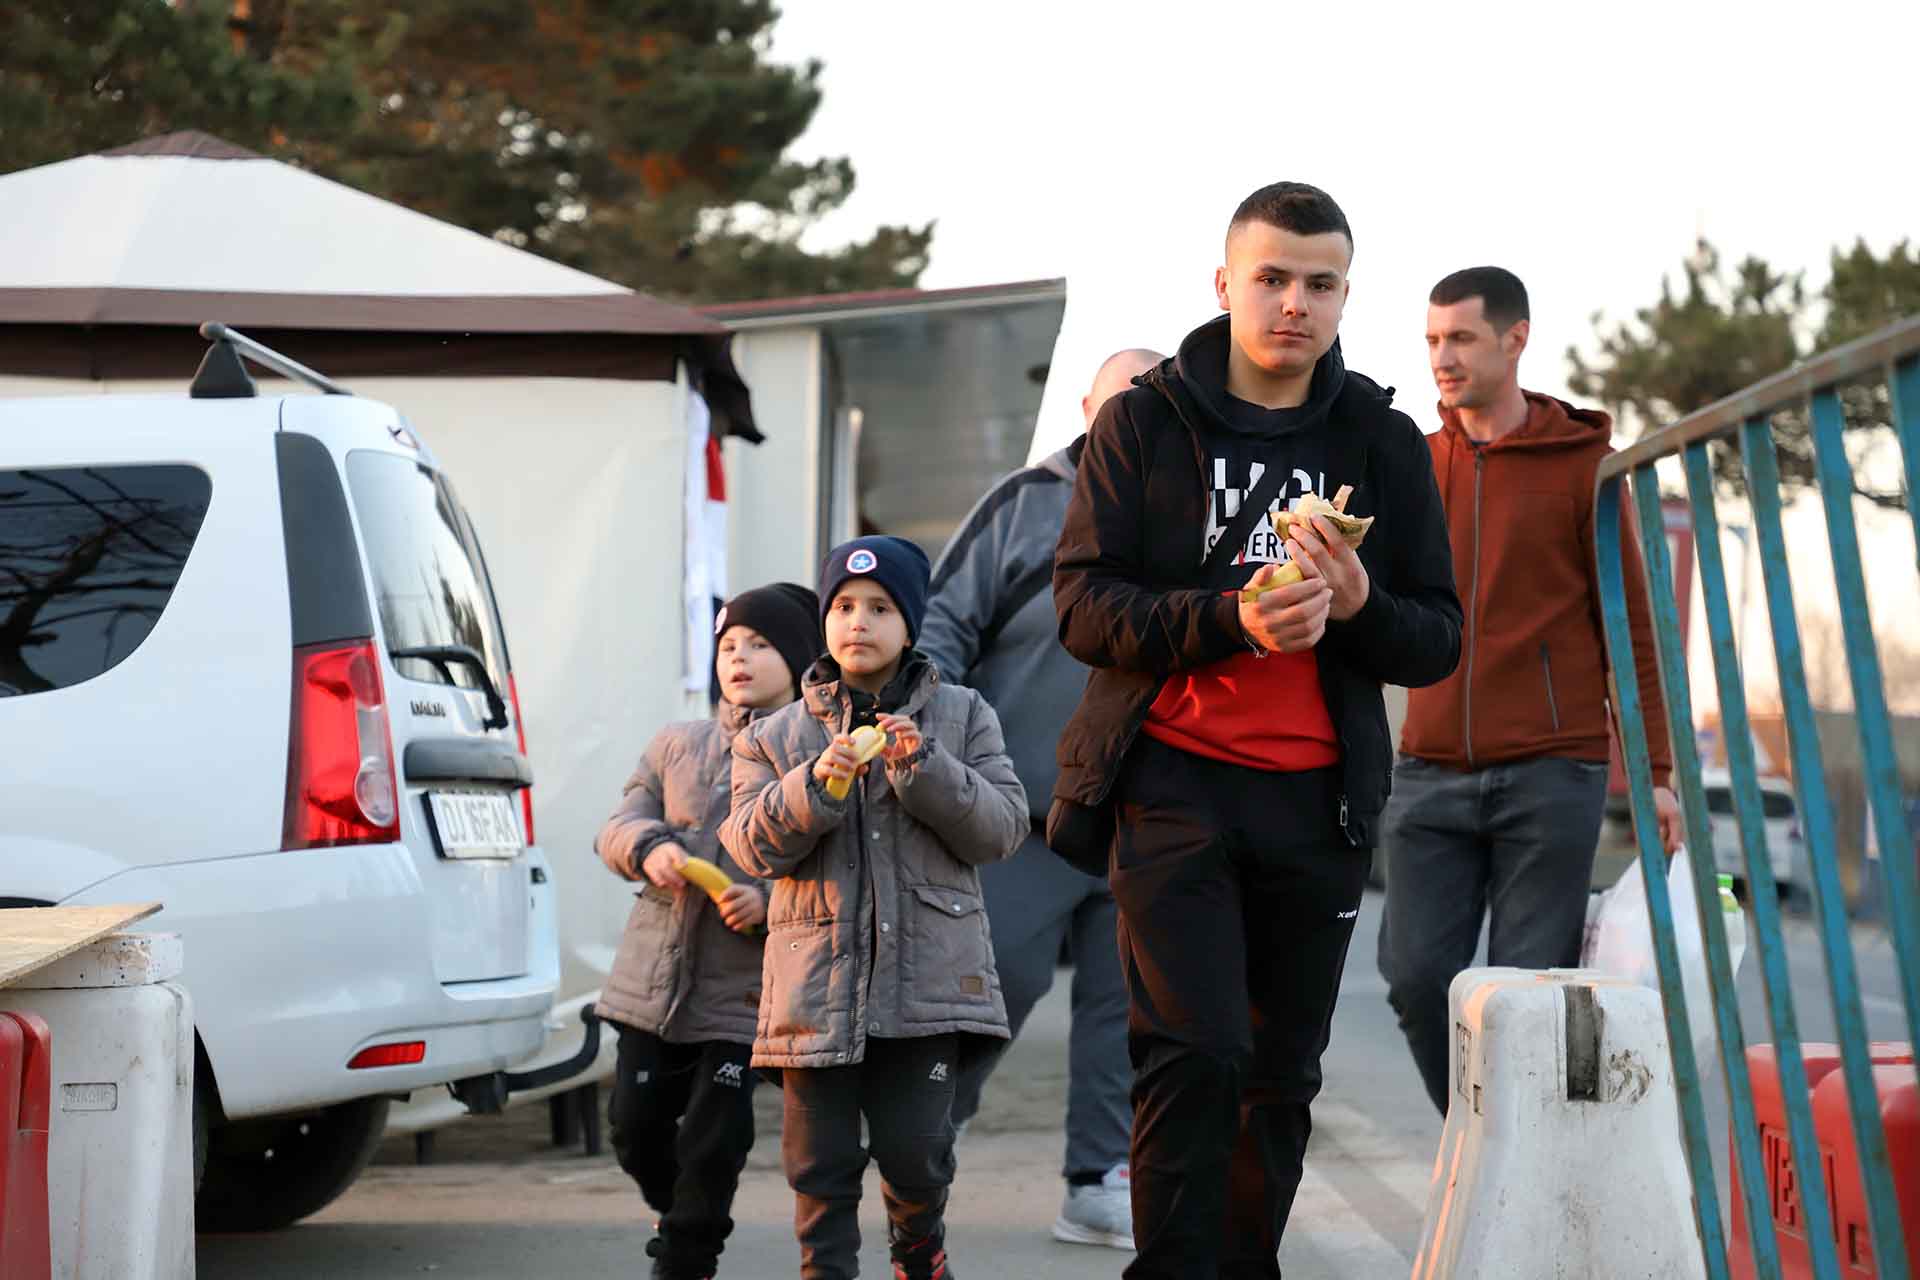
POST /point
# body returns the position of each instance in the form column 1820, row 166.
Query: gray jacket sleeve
column 639, row 822
column 976, row 806
column 970, row 582
column 777, row 818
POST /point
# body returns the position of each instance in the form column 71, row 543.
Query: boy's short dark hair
column 1502, row 297
column 1298, row 207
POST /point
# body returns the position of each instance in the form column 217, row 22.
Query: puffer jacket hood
column 875, row 925
column 679, row 972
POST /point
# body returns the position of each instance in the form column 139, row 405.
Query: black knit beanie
column 896, row 564
column 787, row 614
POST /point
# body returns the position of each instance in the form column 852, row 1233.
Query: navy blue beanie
column 896, row 564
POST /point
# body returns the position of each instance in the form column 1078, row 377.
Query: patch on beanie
column 862, row 561
column 720, row 622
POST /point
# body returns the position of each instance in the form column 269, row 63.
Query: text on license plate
column 476, row 824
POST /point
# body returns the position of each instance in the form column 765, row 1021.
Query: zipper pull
column 1343, row 813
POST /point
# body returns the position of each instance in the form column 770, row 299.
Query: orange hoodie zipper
column 1473, row 605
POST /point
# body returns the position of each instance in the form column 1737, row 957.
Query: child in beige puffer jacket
column 684, row 991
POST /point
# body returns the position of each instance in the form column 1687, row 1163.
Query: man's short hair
column 1298, row 207
column 1503, row 298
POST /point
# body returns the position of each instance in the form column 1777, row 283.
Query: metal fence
column 1744, row 422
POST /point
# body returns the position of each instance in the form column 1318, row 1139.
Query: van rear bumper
column 295, row 966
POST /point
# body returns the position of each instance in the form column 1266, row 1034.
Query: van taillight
column 520, row 731
column 340, row 787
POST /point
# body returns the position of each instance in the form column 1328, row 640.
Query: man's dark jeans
column 1510, row 843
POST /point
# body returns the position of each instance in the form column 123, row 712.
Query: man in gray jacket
column 990, row 625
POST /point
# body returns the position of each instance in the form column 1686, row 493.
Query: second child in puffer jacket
column 878, row 976
column 684, row 990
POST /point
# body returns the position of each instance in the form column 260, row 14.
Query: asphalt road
column 501, row 1202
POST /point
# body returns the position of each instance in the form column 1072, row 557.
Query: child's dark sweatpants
column 681, row 1117
column 905, row 1089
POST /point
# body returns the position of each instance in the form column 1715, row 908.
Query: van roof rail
column 223, row 376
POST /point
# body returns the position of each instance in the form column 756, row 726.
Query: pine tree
column 642, row 140
column 1720, row 332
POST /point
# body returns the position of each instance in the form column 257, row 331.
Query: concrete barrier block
column 1561, row 1158
column 120, row 1141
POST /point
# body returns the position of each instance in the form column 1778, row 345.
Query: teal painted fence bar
column 1754, row 1184
column 1653, row 865
column 1743, row 420
column 1769, row 946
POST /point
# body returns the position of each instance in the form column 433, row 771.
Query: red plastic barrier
column 1899, row 1094
column 1838, row 1167
column 26, row 1081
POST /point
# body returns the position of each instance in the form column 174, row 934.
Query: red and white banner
column 704, row 579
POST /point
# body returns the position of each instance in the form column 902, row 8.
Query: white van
column 251, row 667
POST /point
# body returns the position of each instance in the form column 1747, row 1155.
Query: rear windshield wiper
column 446, row 656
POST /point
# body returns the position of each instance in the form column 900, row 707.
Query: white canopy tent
column 563, row 406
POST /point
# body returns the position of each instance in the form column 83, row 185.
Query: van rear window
column 427, row 576
column 89, row 557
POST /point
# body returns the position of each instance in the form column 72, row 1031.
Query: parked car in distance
column 1781, row 816
column 251, row 667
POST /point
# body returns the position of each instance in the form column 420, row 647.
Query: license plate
column 476, row 824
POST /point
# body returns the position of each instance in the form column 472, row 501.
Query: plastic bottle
column 1735, row 920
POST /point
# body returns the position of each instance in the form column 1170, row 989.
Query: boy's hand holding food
column 903, row 737
column 1321, row 541
column 1323, row 553
column 840, row 762
column 742, row 907
column 662, row 865
column 1288, row 618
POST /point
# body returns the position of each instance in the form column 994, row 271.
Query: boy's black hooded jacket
column 1128, row 585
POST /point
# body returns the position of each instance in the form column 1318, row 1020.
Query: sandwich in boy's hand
column 1352, row 531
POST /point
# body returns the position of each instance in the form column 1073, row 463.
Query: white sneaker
column 1101, row 1214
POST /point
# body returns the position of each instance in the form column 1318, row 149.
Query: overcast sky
column 1109, row 143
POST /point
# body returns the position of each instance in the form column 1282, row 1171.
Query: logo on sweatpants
column 939, row 1073
column 730, row 1073
column 1348, row 915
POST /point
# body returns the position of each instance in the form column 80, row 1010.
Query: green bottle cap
column 1726, row 881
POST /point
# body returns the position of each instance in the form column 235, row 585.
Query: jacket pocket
column 1546, row 670
column 798, row 980
column 640, row 984
column 950, row 960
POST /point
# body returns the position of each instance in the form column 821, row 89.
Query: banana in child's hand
column 711, row 879
column 868, row 742
column 1286, row 573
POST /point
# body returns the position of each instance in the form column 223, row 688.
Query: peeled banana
column 868, row 742
column 698, row 871
column 1286, row 573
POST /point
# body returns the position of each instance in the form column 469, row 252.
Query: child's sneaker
column 925, row 1259
column 1098, row 1214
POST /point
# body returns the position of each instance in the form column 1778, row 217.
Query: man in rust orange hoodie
column 1502, row 773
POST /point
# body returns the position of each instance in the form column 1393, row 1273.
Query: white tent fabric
column 252, row 225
